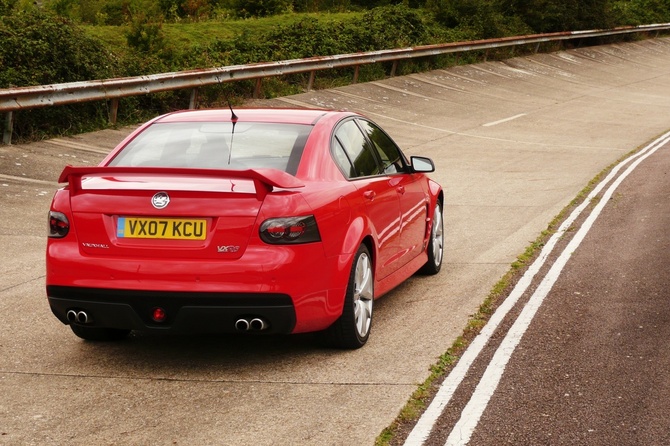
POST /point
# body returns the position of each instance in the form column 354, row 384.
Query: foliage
column 380, row 28
column 7, row 6
column 112, row 12
column 144, row 34
column 38, row 48
column 261, row 8
column 41, row 42
column 391, row 27
column 565, row 15
column 640, row 12
column 480, row 19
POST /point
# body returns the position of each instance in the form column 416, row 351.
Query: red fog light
column 158, row 315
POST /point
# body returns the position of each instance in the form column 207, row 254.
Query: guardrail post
column 9, row 126
column 193, row 101
column 356, row 72
column 310, row 83
column 114, row 111
column 537, row 47
column 394, row 67
column 257, row 90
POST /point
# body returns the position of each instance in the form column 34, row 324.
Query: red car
column 263, row 221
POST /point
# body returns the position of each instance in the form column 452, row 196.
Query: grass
column 186, row 34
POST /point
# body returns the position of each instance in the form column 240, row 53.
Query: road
column 579, row 354
column 514, row 143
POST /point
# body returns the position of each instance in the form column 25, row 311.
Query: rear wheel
column 352, row 329
column 99, row 333
column 435, row 249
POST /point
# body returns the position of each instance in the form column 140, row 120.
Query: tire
column 435, row 249
column 99, row 333
column 352, row 329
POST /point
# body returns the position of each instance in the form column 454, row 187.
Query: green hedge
column 38, row 46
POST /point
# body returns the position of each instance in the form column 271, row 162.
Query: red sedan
column 263, row 221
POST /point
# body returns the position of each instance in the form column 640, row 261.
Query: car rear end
column 176, row 249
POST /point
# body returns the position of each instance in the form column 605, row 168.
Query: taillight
column 290, row 230
column 59, row 225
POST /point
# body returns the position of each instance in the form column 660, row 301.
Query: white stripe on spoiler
column 264, row 179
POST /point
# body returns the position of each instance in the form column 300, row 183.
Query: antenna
column 233, row 119
column 233, row 116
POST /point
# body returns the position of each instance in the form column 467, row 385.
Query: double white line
column 462, row 431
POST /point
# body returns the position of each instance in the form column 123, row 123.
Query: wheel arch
column 436, row 197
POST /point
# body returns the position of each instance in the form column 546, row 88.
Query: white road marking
column 474, row 409
column 77, row 146
column 511, row 118
column 27, row 180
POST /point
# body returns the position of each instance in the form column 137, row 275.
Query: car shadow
column 228, row 357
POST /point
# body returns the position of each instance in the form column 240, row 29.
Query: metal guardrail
column 21, row 98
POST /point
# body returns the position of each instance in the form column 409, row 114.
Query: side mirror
column 422, row 164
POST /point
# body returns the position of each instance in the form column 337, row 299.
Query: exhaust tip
column 242, row 325
column 77, row 317
column 82, row 317
column 258, row 324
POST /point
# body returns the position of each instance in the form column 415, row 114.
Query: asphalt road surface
column 514, row 142
column 581, row 357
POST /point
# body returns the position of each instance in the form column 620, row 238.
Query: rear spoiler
column 264, row 179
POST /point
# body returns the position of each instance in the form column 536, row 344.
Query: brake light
column 290, row 230
column 59, row 225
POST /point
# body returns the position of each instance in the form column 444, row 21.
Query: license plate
column 162, row 228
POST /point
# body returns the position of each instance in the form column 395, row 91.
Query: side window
column 388, row 151
column 357, row 150
column 342, row 160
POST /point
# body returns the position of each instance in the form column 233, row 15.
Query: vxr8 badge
column 229, row 248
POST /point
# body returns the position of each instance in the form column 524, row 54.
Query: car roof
column 276, row 115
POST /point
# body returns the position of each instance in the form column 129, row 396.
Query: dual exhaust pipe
column 255, row 324
column 79, row 317
column 242, row 324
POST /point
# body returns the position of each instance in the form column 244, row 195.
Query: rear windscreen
column 217, row 145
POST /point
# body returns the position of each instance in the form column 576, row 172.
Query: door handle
column 369, row 194
column 401, row 190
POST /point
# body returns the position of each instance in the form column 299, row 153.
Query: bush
column 39, row 49
column 262, row 8
column 145, row 34
column 641, row 12
column 390, row 27
column 481, row 20
column 42, row 49
column 7, row 7
column 561, row 15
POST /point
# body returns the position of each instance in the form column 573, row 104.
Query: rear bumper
column 186, row 312
column 207, row 295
